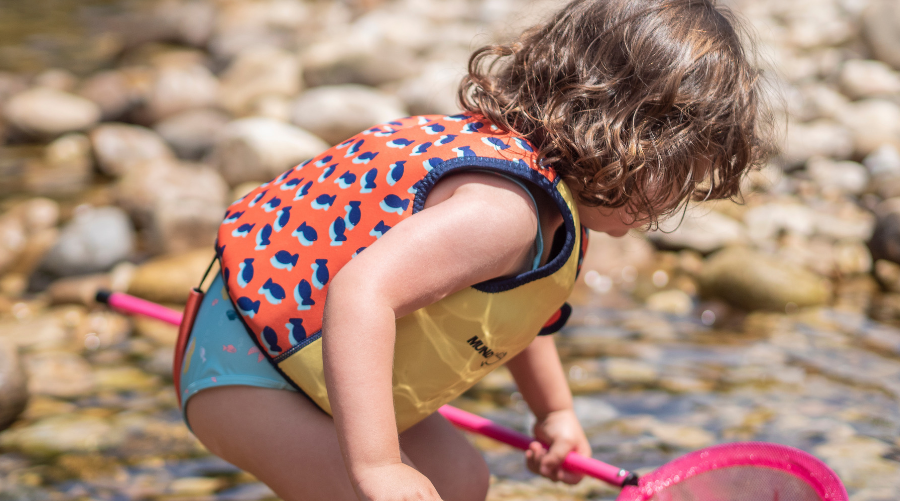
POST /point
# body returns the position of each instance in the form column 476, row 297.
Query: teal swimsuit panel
column 220, row 351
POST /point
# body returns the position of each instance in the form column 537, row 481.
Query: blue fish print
column 305, row 234
column 432, row 163
column 282, row 219
column 336, row 231
column 367, row 183
column 495, row 143
column 521, row 143
column 400, row 143
column 226, row 274
column 302, row 191
column 323, row 202
column 353, row 214
column 396, row 172
column 379, row 230
column 282, row 177
column 464, row 151
column 270, row 340
column 273, row 292
column 271, row 204
column 358, row 251
column 327, row 172
column 345, row 144
column 247, row 307
column 433, row 129
column 386, row 132
column 232, row 218
column 365, row 158
column 472, row 127
column 243, row 230
column 231, row 314
column 393, row 203
column 303, row 296
column 323, row 162
column 320, row 273
column 257, row 198
column 296, row 331
column 446, row 139
column 354, row 148
column 262, row 238
column 423, row 120
column 291, row 183
column 246, row 272
column 420, row 149
column 284, row 260
column 346, row 179
column 456, row 118
column 303, row 164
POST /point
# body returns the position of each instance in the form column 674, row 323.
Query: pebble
column 843, row 177
column 888, row 274
column 258, row 149
column 119, row 147
column 750, row 280
column 872, row 123
column 124, row 379
column 259, row 72
column 113, row 91
column 673, row 301
column 885, row 243
column 865, row 78
column 820, row 137
column 336, row 62
column 884, row 161
column 95, row 240
column 66, row 433
column 36, row 334
column 13, row 384
column 682, row 437
column 50, row 113
column 192, row 133
column 701, row 230
column 881, row 25
column 433, row 90
column 178, row 88
column 59, row 374
column 335, row 113
column 629, row 372
column 169, row 279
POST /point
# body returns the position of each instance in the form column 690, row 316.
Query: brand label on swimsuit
column 491, row 358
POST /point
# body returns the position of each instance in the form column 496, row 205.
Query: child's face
column 614, row 222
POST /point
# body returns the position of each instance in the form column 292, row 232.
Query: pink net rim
column 798, row 463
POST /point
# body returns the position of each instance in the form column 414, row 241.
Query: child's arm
column 483, row 230
column 542, row 382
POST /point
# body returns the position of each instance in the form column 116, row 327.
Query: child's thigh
column 279, row 436
column 443, row 454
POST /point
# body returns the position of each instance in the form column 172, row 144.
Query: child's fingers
column 550, row 463
column 533, row 457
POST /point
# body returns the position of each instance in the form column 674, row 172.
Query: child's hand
column 561, row 430
column 394, row 482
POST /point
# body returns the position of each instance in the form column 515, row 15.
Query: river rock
column 59, row 374
column 192, row 133
column 95, row 240
column 885, row 243
column 433, row 91
column 48, row 112
column 673, row 301
column 872, row 123
column 169, row 279
column 57, row 79
column 13, row 238
column 119, row 147
column 843, row 177
column 888, row 274
column 764, row 222
column 881, row 31
column 181, row 224
column 241, row 26
column 68, row 167
column 682, row 436
column 36, row 334
column 13, row 384
column 754, row 281
column 180, row 87
column 337, row 112
column 864, row 78
column 626, row 371
column 884, row 161
column 702, row 230
column 63, row 433
column 336, row 62
column 116, row 92
column 190, row 23
column 258, row 72
column 820, row 137
column 258, row 149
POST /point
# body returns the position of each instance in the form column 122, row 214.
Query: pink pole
column 467, row 421
column 573, row 462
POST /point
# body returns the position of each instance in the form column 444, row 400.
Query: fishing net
column 747, row 471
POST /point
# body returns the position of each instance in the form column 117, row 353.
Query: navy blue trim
column 565, row 311
column 297, row 347
column 424, row 186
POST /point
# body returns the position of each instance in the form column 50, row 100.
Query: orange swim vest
column 280, row 245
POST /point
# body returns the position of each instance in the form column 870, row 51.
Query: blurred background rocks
column 128, row 127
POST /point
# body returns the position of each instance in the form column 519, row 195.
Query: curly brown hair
column 639, row 104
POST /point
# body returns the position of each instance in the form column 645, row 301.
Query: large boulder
column 754, row 281
column 13, row 384
column 49, row 112
column 258, row 149
column 337, row 112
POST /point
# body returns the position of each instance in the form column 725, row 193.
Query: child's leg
column 287, row 442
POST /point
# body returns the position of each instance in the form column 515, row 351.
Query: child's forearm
column 540, row 377
column 358, row 350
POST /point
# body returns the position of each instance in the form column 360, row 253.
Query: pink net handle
column 749, row 458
